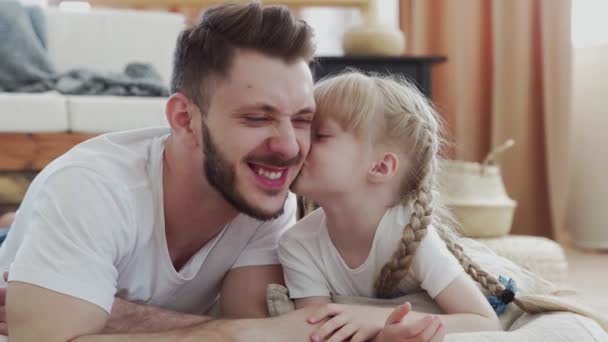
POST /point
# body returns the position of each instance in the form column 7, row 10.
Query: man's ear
column 180, row 113
column 384, row 169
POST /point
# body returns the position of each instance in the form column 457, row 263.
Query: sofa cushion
column 33, row 113
column 105, row 40
column 537, row 254
column 100, row 114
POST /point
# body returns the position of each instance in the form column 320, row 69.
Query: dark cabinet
column 415, row 68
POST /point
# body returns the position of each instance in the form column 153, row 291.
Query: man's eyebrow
column 261, row 106
column 267, row 108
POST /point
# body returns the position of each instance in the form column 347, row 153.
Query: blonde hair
column 402, row 116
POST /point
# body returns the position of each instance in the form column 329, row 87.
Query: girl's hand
column 345, row 321
column 428, row 329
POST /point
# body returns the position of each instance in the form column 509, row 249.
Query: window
column 589, row 23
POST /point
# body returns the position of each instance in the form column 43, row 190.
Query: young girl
column 372, row 168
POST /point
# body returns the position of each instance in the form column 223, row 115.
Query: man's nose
column 284, row 141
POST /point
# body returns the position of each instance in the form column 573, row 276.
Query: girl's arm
column 465, row 307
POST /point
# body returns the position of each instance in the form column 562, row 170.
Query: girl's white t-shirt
column 92, row 226
column 313, row 267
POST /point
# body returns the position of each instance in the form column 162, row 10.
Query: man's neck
column 352, row 221
column 194, row 211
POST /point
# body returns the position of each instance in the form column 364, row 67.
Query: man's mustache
column 274, row 160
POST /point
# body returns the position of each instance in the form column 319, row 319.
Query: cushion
column 554, row 327
column 540, row 255
column 107, row 39
column 100, row 114
column 33, row 113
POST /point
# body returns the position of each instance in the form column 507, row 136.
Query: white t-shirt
column 313, row 267
column 92, row 226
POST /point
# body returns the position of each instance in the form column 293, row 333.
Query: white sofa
column 101, row 40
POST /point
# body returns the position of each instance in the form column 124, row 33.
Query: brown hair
column 208, row 48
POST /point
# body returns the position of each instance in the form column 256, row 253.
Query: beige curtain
column 507, row 76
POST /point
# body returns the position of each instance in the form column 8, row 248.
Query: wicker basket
column 476, row 195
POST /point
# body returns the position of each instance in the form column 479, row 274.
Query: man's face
column 256, row 132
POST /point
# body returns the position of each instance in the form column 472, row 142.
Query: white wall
column 587, row 216
column 331, row 23
column 388, row 12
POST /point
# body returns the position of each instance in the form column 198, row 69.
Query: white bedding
column 556, row 327
column 562, row 326
column 99, row 114
column 33, row 113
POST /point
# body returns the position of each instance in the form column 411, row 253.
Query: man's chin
column 263, row 214
column 265, row 207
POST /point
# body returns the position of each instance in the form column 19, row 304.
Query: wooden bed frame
column 192, row 8
column 33, row 151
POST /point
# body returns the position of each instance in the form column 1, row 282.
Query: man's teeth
column 269, row 174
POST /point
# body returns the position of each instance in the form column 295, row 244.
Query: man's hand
column 345, row 321
column 428, row 329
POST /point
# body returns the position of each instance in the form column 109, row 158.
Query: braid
column 486, row 280
column 528, row 303
column 414, row 231
column 393, row 271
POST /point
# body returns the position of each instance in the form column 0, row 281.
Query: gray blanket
column 25, row 65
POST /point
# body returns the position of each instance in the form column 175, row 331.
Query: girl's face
column 336, row 165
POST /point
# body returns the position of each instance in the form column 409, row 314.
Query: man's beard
column 222, row 176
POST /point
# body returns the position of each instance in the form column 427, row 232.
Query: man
column 173, row 219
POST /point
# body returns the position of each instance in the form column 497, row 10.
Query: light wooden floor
column 588, row 275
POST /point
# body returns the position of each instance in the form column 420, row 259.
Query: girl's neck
column 352, row 221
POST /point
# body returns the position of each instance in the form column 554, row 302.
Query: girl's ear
column 384, row 169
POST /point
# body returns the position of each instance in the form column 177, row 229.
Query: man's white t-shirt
column 313, row 267
column 92, row 226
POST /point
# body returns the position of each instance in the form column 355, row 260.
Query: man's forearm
column 290, row 327
column 213, row 330
column 130, row 318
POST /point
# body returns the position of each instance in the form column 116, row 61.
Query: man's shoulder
column 97, row 172
column 73, row 187
column 121, row 157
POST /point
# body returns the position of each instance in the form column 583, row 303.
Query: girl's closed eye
column 322, row 136
column 323, row 131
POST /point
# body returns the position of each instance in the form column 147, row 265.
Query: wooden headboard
column 192, row 8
